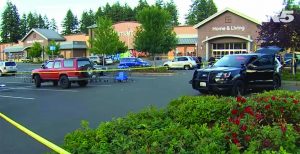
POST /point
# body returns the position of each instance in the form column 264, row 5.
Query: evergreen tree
column 106, row 39
column 129, row 13
column 52, row 25
column 40, row 21
column 156, row 35
column 141, row 5
column 87, row 19
column 10, row 31
column 200, row 10
column 159, row 3
column 46, row 21
column 23, row 25
column 70, row 24
column 172, row 9
column 99, row 13
column 31, row 21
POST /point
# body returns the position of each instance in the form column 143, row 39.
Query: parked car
column 238, row 73
column 185, row 62
column 288, row 59
column 64, row 72
column 108, row 61
column 133, row 62
column 96, row 59
column 8, row 67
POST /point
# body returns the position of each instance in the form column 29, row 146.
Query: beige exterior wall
column 126, row 32
column 77, row 37
column 35, row 37
column 238, row 26
column 3, row 56
column 185, row 30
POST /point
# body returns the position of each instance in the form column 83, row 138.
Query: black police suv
column 238, row 73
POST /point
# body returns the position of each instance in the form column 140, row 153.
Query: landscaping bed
column 264, row 123
column 151, row 70
column 288, row 76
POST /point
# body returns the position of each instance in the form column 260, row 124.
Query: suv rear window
column 10, row 64
column 82, row 63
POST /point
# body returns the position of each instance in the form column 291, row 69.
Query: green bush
column 264, row 123
column 151, row 70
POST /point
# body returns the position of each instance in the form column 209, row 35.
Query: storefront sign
column 128, row 33
column 31, row 42
column 229, row 28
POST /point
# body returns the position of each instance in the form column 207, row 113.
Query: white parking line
column 99, row 85
column 27, row 98
column 38, row 89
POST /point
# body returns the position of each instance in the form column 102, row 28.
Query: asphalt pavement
column 53, row 112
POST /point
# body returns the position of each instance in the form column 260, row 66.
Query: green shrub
column 189, row 110
column 264, row 123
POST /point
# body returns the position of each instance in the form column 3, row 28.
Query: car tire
column 186, row 67
column 64, row 82
column 238, row 88
column 55, row 83
column 82, row 83
column 276, row 82
column 37, row 81
column 168, row 67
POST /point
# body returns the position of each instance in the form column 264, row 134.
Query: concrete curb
column 152, row 74
column 296, row 83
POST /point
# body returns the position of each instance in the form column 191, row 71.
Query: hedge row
column 269, row 122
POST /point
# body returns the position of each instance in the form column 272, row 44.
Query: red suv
column 64, row 72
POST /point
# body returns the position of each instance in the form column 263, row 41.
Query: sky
column 57, row 9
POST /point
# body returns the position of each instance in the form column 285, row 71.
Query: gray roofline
column 223, row 11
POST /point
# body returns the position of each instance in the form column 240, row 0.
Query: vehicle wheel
column 64, row 82
column 186, row 67
column 82, row 83
column 168, row 67
column 238, row 88
column 55, row 83
column 37, row 81
column 1, row 73
column 276, row 82
column 203, row 91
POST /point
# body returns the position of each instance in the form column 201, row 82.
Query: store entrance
column 221, row 49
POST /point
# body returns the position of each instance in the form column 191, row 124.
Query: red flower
column 249, row 110
column 281, row 109
column 273, row 98
column 267, row 143
column 267, row 107
column 247, row 138
column 241, row 99
column 237, row 121
column 259, row 116
column 244, row 128
column 234, row 135
column 234, row 112
column 242, row 115
column 266, row 100
column 283, row 128
column 235, row 141
column 295, row 101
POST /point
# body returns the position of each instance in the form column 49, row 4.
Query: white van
column 8, row 67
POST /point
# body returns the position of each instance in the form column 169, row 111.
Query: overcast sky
column 57, row 9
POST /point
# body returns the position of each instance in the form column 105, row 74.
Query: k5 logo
column 285, row 16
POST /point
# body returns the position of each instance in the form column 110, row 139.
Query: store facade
column 227, row 32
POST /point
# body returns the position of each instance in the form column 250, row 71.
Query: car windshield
column 82, row 63
column 232, row 61
column 10, row 64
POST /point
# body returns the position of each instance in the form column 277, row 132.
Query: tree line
column 13, row 27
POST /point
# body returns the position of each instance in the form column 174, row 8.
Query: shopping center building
column 227, row 32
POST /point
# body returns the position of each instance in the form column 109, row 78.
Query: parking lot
column 53, row 112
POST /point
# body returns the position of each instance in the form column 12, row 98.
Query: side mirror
column 43, row 66
column 251, row 66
